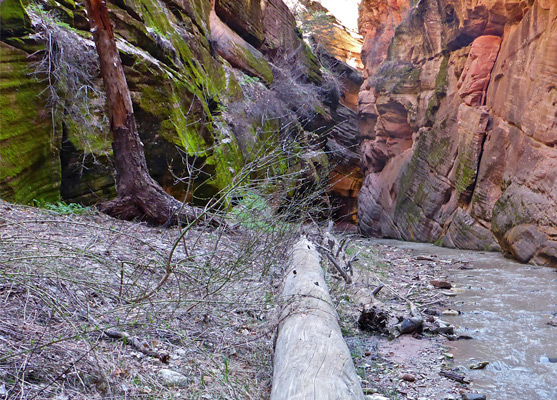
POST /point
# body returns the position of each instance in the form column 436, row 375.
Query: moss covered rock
column 29, row 162
column 180, row 88
column 13, row 18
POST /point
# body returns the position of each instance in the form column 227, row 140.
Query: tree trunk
column 311, row 359
column 139, row 196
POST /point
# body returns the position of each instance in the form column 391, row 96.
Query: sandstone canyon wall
column 339, row 50
column 458, row 119
column 214, row 84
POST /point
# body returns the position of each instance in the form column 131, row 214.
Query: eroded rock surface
column 189, row 67
column 459, row 124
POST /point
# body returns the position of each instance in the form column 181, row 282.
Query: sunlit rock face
column 332, row 29
column 332, row 25
column 458, row 120
column 377, row 22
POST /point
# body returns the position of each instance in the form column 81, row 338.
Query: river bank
column 98, row 308
column 507, row 309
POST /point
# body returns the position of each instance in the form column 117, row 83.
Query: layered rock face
column 459, row 124
column 339, row 49
column 343, row 143
column 209, row 80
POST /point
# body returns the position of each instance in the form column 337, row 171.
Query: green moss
column 259, row 66
column 395, row 77
column 91, row 139
column 179, row 105
column 13, row 18
column 70, row 4
column 441, row 79
column 312, row 64
column 64, row 15
column 27, row 43
column 441, row 82
column 228, row 160
column 178, row 88
column 465, row 175
column 190, row 60
column 431, row 152
column 412, row 215
column 29, row 164
column 437, row 150
column 443, row 124
column 421, row 193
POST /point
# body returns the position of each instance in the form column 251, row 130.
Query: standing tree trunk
column 139, row 196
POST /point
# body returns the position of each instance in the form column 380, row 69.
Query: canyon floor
column 94, row 307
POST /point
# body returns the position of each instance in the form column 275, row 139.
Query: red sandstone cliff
column 458, row 117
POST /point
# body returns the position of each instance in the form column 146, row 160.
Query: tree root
column 158, row 209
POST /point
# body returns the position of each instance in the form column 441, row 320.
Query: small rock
column 444, row 330
column 473, row 396
column 376, row 397
column 408, row 378
column 172, row 378
column 448, row 355
column 449, row 294
column 480, row 365
column 441, row 284
column 450, row 312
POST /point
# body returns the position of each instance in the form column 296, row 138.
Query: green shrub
column 62, row 208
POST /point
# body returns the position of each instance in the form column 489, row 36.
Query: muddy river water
column 505, row 307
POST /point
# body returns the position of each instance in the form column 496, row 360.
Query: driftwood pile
column 375, row 315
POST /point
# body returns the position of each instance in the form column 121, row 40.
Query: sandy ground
column 206, row 332
column 406, row 367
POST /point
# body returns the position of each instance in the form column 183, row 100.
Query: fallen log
column 311, row 358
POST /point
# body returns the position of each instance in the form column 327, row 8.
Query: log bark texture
column 312, row 360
